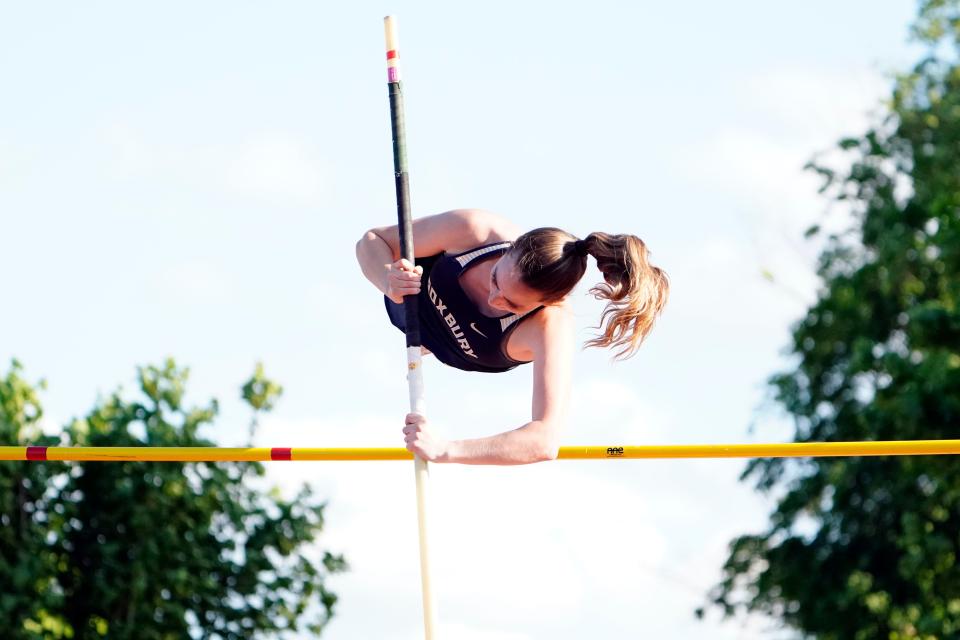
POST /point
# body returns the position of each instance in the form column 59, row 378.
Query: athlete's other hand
column 403, row 279
column 421, row 442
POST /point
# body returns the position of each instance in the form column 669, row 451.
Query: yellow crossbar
column 224, row 454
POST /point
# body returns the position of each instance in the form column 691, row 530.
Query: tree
column 28, row 590
column 170, row 550
column 866, row 548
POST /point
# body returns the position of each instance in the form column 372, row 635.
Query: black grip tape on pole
column 404, row 221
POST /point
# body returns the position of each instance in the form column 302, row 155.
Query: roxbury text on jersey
column 450, row 320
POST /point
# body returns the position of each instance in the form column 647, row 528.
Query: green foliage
column 261, row 393
column 866, row 548
column 154, row 550
column 28, row 590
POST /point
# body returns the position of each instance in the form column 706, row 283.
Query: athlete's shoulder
column 477, row 227
column 547, row 330
column 555, row 320
column 454, row 231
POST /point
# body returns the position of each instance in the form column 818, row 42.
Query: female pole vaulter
column 491, row 298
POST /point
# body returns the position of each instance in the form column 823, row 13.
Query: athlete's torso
column 452, row 326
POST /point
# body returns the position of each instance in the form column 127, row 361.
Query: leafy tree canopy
column 865, row 548
column 133, row 550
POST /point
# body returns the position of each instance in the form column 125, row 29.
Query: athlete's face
column 507, row 293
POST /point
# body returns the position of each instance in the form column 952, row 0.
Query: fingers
column 404, row 265
column 412, row 436
column 399, row 292
column 404, row 279
column 419, row 440
column 402, row 273
column 414, row 425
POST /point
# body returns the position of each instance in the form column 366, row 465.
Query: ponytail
column 636, row 291
column 552, row 262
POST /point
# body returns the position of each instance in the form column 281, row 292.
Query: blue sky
column 189, row 180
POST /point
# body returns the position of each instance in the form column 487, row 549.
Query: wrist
column 448, row 453
column 385, row 282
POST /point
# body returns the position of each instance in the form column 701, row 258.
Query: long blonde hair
column 552, row 262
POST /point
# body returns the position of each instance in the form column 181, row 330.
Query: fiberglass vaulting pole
column 414, row 370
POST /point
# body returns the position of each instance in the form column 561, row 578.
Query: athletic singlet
column 451, row 326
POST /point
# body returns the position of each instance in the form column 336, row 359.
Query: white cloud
column 789, row 115
column 275, row 166
column 763, row 171
column 605, row 409
column 813, row 104
column 7, row 164
column 194, row 280
column 272, row 167
column 130, row 152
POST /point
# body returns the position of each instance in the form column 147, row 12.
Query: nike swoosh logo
column 474, row 327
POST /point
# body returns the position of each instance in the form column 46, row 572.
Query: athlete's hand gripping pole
column 414, row 372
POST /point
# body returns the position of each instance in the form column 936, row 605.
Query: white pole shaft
column 422, row 473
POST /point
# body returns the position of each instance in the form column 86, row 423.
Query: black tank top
column 451, row 326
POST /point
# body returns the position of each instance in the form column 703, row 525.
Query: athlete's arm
column 453, row 231
column 535, row 441
column 378, row 251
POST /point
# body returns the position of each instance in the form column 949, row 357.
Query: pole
column 414, row 369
